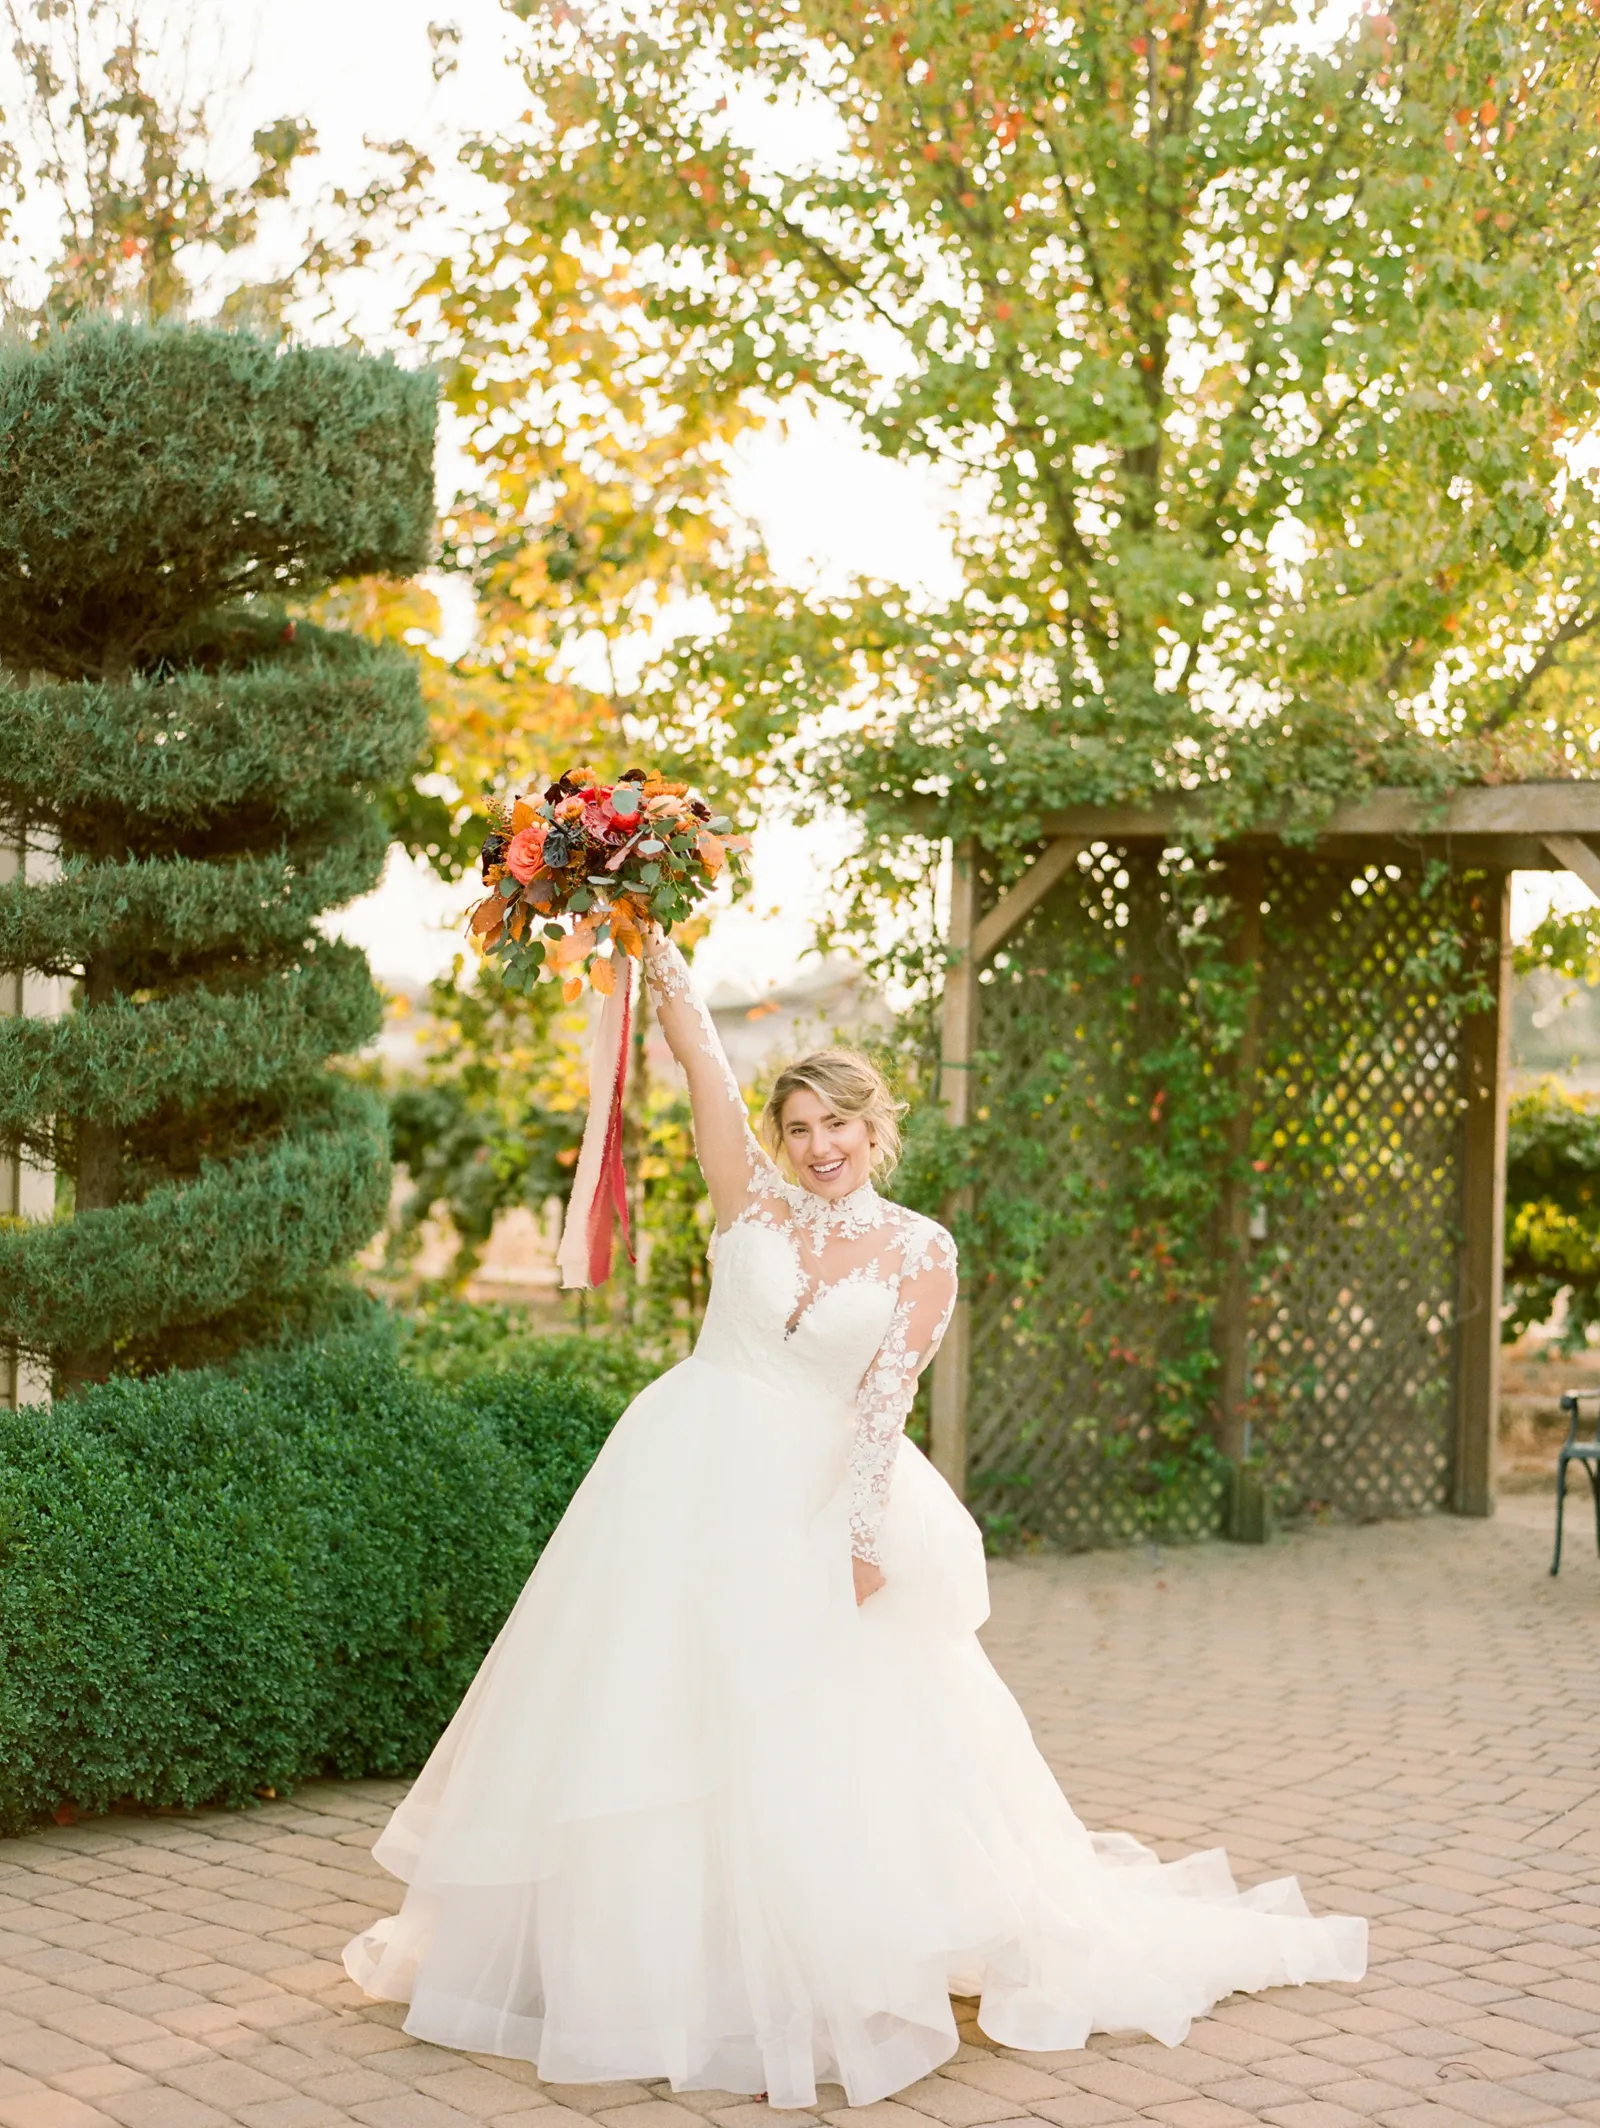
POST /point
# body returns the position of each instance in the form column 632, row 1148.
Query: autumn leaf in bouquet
column 574, row 878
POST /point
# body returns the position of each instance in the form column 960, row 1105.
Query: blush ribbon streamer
column 599, row 1198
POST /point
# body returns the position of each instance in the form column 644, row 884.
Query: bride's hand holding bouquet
column 576, row 877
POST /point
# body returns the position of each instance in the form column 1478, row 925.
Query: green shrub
column 152, row 473
column 454, row 1340
column 1553, row 1212
column 208, row 771
column 229, row 1579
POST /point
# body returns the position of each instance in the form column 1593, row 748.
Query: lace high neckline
column 855, row 1214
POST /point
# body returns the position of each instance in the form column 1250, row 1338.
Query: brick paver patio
column 1405, row 1715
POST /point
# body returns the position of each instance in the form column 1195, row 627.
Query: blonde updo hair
column 849, row 1084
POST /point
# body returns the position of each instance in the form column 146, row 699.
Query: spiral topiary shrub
column 206, row 771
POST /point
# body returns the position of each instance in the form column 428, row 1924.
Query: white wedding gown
column 702, row 1817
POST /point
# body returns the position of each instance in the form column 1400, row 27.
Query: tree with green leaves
column 1553, row 1213
column 205, row 771
column 1256, row 340
column 113, row 133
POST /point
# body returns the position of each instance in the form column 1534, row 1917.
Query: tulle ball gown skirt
column 700, row 1817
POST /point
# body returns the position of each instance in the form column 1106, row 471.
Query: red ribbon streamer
column 611, row 1199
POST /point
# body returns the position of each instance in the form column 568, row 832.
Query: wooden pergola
column 1489, row 832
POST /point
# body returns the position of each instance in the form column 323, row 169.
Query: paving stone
column 99, row 2080
column 1366, row 2095
column 226, row 2084
column 1124, row 2082
column 1252, row 2094
column 708, row 2104
column 37, row 2051
column 597, row 2098
column 1080, row 2109
column 486, row 2095
column 152, row 2057
column 1402, row 1714
column 1553, row 2084
column 941, row 2098
column 50, row 2109
column 158, row 2106
column 294, row 2112
column 887, row 2113
column 345, row 2087
column 1016, row 2081
column 1312, row 2113
column 652, row 2113
column 1200, row 2113
column 409, row 2109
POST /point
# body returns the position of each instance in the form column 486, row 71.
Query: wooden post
column 1483, row 1219
column 958, row 1038
column 1244, row 887
column 26, row 1191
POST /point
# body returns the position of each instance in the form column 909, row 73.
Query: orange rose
column 525, row 852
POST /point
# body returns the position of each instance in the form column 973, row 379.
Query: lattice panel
column 1062, row 1400
column 1357, row 1144
column 1358, row 1135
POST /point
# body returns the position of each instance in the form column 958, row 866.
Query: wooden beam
column 1577, row 857
column 1244, row 888
column 959, row 1011
column 1569, row 807
column 1483, row 1210
column 958, row 1038
column 1024, row 895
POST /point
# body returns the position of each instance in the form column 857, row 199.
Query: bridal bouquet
column 593, row 862
column 574, row 877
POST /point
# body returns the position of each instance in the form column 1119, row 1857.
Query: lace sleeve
column 923, row 1307
column 733, row 1163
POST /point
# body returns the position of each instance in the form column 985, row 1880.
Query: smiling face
column 830, row 1154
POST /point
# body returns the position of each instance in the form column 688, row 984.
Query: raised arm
column 923, row 1307
column 730, row 1158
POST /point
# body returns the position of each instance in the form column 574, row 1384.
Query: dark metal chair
column 1575, row 1451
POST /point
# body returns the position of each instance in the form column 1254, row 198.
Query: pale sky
column 825, row 503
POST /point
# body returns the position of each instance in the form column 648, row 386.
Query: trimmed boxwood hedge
column 227, row 1580
column 455, row 1341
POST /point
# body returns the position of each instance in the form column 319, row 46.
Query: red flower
column 601, row 820
column 525, row 852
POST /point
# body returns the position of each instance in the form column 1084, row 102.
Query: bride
column 736, row 1799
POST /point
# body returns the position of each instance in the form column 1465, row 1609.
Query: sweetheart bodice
column 756, row 1284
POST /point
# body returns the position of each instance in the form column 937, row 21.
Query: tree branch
column 1578, row 623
